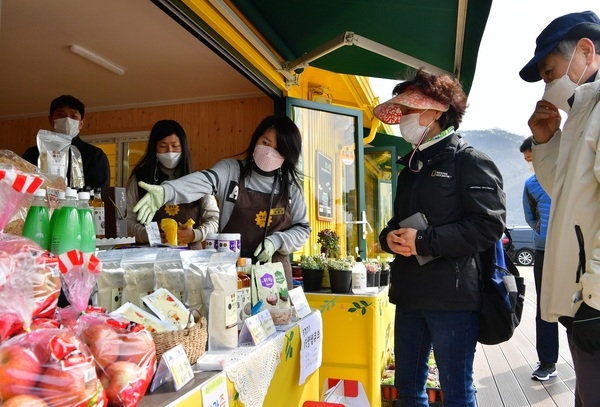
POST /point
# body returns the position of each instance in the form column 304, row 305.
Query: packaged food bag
column 124, row 354
column 222, row 305
column 111, row 280
column 168, row 308
column 51, row 367
column 195, row 269
column 169, row 226
column 16, row 189
column 17, row 268
column 138, row 268
column 55, row 150
column 168, row 273
column 51, row 183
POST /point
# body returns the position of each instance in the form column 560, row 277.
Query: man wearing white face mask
column 266, row 177
column 566, row 163
column 66, row 117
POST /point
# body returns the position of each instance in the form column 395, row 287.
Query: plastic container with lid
column 211, row 241
column 37, row 222
column 229, row 242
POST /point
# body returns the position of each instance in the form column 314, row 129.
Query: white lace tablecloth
column 252, row 368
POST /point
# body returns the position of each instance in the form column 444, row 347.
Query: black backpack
column 501, row 308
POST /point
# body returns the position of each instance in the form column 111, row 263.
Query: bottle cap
column 40, row 193
column 61, row 195
column 84, row 195
column 71, row 193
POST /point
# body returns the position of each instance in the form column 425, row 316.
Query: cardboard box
column 115, row 212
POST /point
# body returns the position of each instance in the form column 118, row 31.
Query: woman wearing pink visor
column 459, row 190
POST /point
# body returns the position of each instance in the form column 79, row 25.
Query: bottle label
column 99, row 221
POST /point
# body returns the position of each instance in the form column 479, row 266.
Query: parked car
column 521, row 250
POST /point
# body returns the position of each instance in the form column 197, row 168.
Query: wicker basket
column 193, row 339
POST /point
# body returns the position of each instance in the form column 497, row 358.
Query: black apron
column 248, row 219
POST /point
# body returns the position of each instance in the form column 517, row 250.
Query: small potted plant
column 373, row 272
column 330, row 243
column 340, row 274
column 313, row 267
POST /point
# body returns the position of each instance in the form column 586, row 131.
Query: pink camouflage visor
column 390, row 112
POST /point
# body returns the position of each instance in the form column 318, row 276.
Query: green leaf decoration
column 362, row 306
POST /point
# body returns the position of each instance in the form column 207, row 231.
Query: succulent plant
column 340, row 264
column 312, row 262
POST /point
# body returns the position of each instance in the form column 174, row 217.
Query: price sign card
column 257, row 328
column 300, row 303
column 174, row 365
column 214, row 392
column 153, row 234
column 267, row 322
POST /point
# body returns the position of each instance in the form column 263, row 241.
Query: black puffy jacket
column 463, row 220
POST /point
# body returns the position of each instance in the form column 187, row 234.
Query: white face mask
column 411, row 130
column 267, row 158
column 559, row 91
column 530, row 165
column 169, row 160
column 67, row 126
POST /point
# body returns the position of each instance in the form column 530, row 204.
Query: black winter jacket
column 463, row 220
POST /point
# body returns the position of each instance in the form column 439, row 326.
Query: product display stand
column 358, row 331
column 284, row 389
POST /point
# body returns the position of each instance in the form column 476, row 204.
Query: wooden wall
column 215, row 130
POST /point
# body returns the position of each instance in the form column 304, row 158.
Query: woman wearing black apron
column 265, row 181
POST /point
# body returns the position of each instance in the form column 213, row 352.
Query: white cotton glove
column 150, row 203
column 264, row 253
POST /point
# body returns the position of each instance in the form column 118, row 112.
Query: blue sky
column 499, row 98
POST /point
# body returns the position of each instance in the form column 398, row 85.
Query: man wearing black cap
column 567, row 164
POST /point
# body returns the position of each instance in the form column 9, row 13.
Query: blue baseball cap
column 570, row 26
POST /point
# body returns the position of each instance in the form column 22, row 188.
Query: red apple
column 124, row 383
column 137, row 347
column 103, row 341
column 19, row 371
column 25, row 400
column 67, row 387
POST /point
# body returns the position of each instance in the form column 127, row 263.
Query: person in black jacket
column 460, row 193
column 66, row 117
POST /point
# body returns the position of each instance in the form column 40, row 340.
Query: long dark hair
column 148, row 165
column 289, row 145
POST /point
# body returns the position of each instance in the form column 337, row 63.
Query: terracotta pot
column 389, row 392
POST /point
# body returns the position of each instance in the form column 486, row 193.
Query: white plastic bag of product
column 138, row 269
column 195, row 269
column 111, row 280
column 168, row 273
column 222, row 310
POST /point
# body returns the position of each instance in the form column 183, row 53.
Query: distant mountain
column 503, row 148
